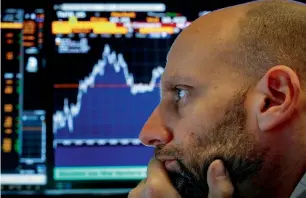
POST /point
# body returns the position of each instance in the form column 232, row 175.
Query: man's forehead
column 175, row 79
column 194, row 55
column 167, row 56
column 185, row 70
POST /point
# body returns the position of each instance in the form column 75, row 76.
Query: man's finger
column 156, row 169
column 137, row 191
column 142, row 182
column 220, row 185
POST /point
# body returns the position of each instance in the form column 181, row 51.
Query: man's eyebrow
column 171, row 81
column 168, row 83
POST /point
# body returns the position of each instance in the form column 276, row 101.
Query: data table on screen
column 23, row 123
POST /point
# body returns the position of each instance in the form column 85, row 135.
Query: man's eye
column 180, row 93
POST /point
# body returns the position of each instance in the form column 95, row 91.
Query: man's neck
column 278, row 179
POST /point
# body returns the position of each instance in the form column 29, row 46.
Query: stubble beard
column 228, row 141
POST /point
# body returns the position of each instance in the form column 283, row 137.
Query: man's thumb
column 220, row 185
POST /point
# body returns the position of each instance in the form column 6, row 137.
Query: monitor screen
column 23, row 112
column 106, row 67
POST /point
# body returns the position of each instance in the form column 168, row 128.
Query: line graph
column 67, row 86
column 113, row 114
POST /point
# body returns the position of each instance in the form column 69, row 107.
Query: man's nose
column 154, row 132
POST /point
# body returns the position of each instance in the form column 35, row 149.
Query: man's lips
column 165, row 159
column 170, row 164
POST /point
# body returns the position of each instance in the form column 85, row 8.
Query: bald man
column 234, row 89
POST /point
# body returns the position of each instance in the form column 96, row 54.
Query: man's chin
column 186, row 186
column 172, row 166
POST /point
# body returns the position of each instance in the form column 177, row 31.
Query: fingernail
column 219, row 169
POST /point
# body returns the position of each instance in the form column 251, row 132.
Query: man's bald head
column 251, row 38
column 270, row 33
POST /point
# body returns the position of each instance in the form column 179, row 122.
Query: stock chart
column 23, row 131
column 107, row 64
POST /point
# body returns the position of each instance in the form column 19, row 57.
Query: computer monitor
column 107, row 62
column 23, row 112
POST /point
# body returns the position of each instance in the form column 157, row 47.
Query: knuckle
column 151, row 188
column 222, row 190
column 151, row 191
column 132, row 193
column 136, row 192
column 227, row 191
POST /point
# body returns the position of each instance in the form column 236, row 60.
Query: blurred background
column 78, row 81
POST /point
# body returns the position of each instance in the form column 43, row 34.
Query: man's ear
column 279, row 92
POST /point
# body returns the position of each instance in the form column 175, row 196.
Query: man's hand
column 219, row 183
column 158, row 185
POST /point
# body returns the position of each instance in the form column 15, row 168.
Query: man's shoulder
column 300, row 190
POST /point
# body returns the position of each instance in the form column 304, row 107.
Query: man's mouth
column 169, row 163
